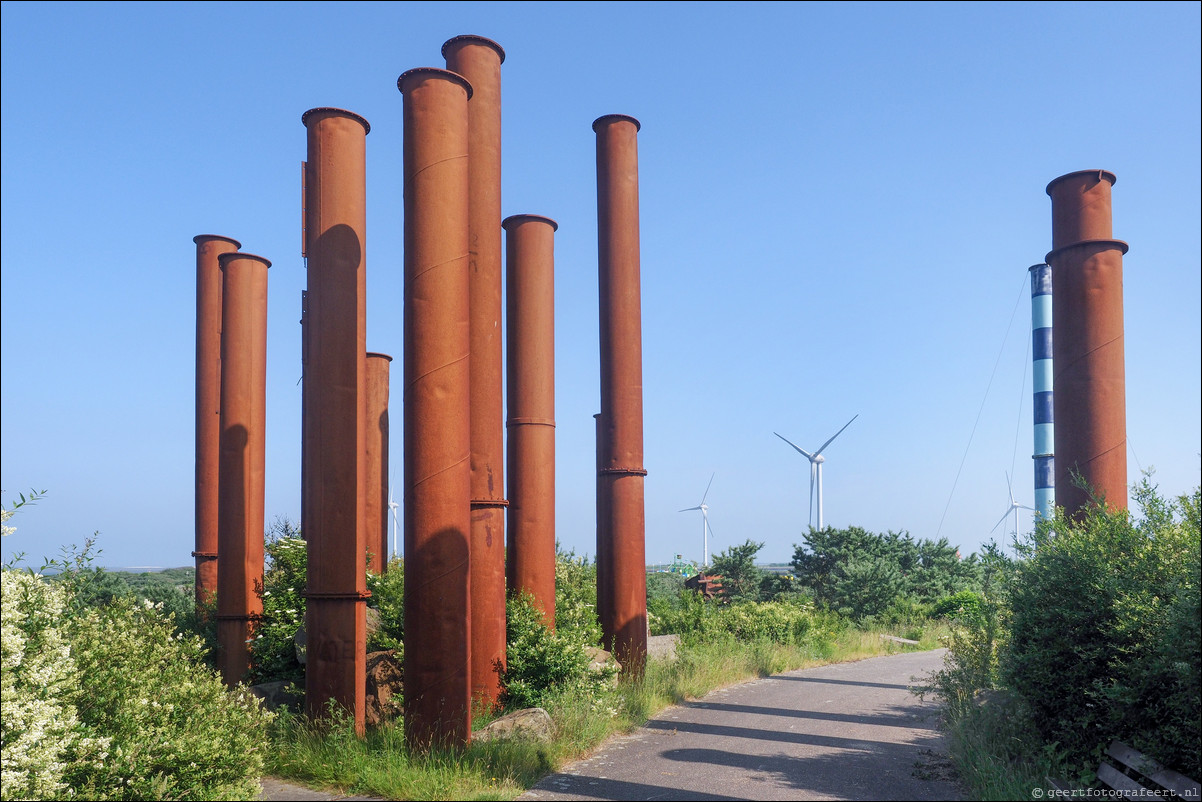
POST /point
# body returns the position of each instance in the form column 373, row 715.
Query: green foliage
column 388, row 598
column 576, row 598
column 863, row 575
column 174, row 730
column 1105, row 639
column 107, row 701
column 539, row 662
column 977, row 636
column 273, row 650
column 736, row 565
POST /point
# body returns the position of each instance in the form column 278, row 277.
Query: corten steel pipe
column 437, row 429
column 1088, row 368
column 530, row 349
column 208, row 405
column 603, row 539
column 376, row 444
column 334, row 429
column 243, row 455
column 479, row 61
column 622, row 474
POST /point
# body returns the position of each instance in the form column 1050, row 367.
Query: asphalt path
column 843, row 731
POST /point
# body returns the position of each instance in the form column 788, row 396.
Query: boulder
column 385, row 688
column 284, row 693
column 603, row 662
column 532, row 724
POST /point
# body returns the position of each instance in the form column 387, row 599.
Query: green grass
column 332, row 757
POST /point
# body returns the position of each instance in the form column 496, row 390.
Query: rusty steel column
column 334, row 431
column 437, row 428
column 376, row 467
column 1090, row 406
column 622, row 473
column 209, row 248
column 479, row 61
column 243, row 458
column 530, row 350
column 604, row 541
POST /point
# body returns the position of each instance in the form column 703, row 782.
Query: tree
column 736, row 565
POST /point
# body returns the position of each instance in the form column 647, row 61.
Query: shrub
column 541, row 663
column 1105, row 633
column 175, row 731
column 576, row 598
column 273, row 650
column 40, row 731
column 966, row 606
column 388, row 598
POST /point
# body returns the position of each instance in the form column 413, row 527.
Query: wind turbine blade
column 689, row 509
column 1025, row 507
column 836, row 434
column 1005, row 515
column 803, row 452
column 1010, row 487
column 707, row 487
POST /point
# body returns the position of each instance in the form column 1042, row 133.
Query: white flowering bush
column 40, row 732
column 109, row 702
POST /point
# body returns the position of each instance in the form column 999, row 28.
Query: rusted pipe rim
column 515, row 219
column 208, row 555
column 623, row 471
column 336, row 112
column 199, row 238
column 606, row 119
column 1103, row 175
column 470, row 38
column 433, row 72
column 227, row 257
column 379, row 355
column 1036, row 267
column 1113, row 243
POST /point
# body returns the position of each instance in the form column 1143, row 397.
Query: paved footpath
column 845, row 731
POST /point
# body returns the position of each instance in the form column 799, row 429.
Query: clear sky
column 839, row 206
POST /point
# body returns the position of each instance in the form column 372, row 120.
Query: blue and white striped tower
column 1041, row 381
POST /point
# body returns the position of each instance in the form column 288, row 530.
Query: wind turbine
column 392, row 505
column 816, row 459
column 1014, row 507
column 705, row 522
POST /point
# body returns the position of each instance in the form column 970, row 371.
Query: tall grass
column 330, row 756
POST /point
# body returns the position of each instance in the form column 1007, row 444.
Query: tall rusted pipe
column 1088, row 369
column 376, row 443
column 530, row 348
column 604, row 541
column 437, row 429
column 479, row 61
column 622, row 385
column 243, row 458
column 208, row 406
column 334, row 430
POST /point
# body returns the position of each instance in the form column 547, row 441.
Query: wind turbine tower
column 816, row 459
column 705, row 523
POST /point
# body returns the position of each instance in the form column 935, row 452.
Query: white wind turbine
column 1014, row 507
column 392, row 505
column 816, row 459
column 705, row 522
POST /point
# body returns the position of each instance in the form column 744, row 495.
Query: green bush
column 539, row 663
column 966, row 606
column 388, row 598
column 110, row 702
column 174, row 730
column 576, row 598
column 273, row 650
column 1105, row 638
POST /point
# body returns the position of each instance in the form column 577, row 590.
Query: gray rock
column 532, row 724
column 284, row 693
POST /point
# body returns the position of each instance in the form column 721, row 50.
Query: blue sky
column 839, row 206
